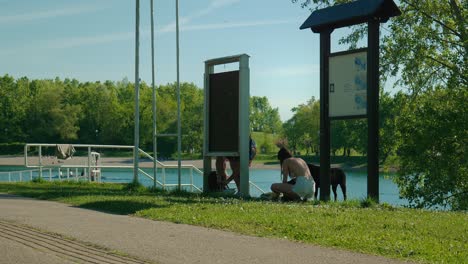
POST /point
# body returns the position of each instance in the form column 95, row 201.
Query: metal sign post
column 324, row 119
column 136, row 134
column 226, row 123
column 324, row 21
column 373, row 111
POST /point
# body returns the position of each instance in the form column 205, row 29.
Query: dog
column 213, row 184
column 337, row 177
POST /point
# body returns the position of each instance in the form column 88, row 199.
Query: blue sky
column 93, row 40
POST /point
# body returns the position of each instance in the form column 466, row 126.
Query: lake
column 356, row 181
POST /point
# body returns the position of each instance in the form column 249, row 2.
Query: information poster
column 348, row 84
column 224, row 112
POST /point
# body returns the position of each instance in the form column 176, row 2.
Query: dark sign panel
column 224, row 112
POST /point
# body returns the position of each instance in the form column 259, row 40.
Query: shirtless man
column 234, row 162
column 301, row 185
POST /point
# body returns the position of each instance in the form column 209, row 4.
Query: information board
column 348, row 84
column 224, row 112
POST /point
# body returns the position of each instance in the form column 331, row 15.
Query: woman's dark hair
column 283, row 154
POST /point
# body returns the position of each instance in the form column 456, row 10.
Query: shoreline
column 13, row 160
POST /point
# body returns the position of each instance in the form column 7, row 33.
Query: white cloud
column 121, row 36
column 213, row 6
column 25, row 17
column 85, row 41
column 235, row 25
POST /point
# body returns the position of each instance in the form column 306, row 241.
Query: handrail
column 40, row 166
column 190, row 166
column 256, row 186
column 149, row 176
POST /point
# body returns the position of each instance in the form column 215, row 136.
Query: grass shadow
column 57, row 190
column 122, row 207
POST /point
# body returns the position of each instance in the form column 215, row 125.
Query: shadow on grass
column 57, row 190
column 120, row 207
column 122, row 199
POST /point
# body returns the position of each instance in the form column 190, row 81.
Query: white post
column 209, row 69
column 50, row 174
column 21, row 176
column 164, row 178
column 89, row 164
column 179, row 132
column 244, row 125
column 30, row 175
column 191, row 179
column 40, row 162
column 137, row 95
column 155, row 145
column 26, row 155
column 9, row 176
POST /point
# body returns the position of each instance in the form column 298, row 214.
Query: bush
column 38, row 180
column 14, row 148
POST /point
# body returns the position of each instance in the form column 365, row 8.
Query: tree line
column 69, row 111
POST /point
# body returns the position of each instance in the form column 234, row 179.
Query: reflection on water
column 356, row 182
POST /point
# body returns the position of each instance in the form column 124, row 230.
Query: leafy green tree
column 340, row 135
column 14, row 100
column 100, row 124
column 433, row 152
column 52, row 119
column 389, row 110
column 264, row 118
column 192, row 116
column 302, row 129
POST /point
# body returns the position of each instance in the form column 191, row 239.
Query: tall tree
column 14, row 99
column 263, row 117
column 52, row 119
column 302, row 129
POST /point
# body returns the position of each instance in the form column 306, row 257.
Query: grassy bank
column 416, row 235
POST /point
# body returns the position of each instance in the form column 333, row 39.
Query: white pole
column 155, row 145
column 244, row 129
column 40, row 161
column 179, row 140
column 89, row 164
column 137, row 94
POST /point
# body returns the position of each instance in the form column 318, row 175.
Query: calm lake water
column 356, row 181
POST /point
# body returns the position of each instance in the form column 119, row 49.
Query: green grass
column 416, row 235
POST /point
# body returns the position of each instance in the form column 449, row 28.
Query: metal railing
column 23, row 175
column 86, row 168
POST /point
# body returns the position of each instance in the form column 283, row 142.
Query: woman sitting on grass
column 301, row 186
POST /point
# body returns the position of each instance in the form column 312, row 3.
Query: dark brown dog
column 213, row 184
column 337, row 177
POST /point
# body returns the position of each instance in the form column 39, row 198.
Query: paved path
column 34, row 231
